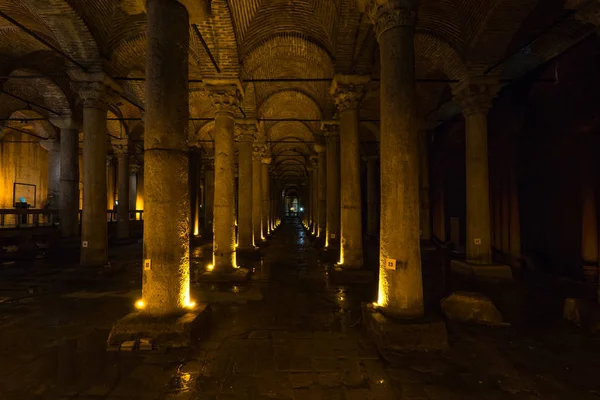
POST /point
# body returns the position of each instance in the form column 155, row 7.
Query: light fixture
column 210, row 267
column 190, row 304
column 140, row 304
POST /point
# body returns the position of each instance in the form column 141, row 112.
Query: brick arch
column 67, row 27
column 40, row 128
column 432, row 53
column 290, row 130
column 118, row 129
column 443, row 17
column 199, row 137
column 499, row 21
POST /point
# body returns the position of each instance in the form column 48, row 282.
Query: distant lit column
column 348, row 91
column 400, row 280
column 139, row 193
column 69, row 177
column 475, row 96
column 372, row 195
column 265, row 180
column 209, row 196
column 245, row 134
column 122, row 152
column 322, row 190
column 97, row 90
column 315, row 194
column 52, row 146
column 332, row 139
column 110, row 182
column 226, row 98
column 424, row 196
column 134, row 169
column 195, row 163
column 257, row 156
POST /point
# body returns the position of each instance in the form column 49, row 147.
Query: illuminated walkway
column 287, row 334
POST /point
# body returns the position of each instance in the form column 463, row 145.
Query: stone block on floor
column 471, row 307
column 425, row 334
column 164, row 331
column 583, row 312
column 235, row 275
column 342, row 276
column 484, row 272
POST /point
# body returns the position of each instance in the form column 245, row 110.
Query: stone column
column 589, row 220
column 97, row 90
column 424, row 196
column 246, row 133
column 322, row 191
column 257, row 156
column 110, row 183
column 332, row 136
column 52, row 146
column 69, row 177
column 209, row 197
column 166, row 280
column 400, row 281
column 195, row 163
column 475, row 97
column 308, row 208
column 347, row 92
column 315, row 195
column 439, row 210
column 122, row 152
column 134, row 169
column 265, row 181
column 226, row 98
column 515, row 220
column 372, row 195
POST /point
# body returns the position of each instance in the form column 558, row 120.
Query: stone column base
column 341, row 275
column 492, row 272
column 235, row 275
column 161, row 331
column 424, row 334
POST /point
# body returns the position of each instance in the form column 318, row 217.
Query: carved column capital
column 134, row 166
column 96, row 89
column 50, row 145
column 258, row 152
column 121, row 147
column 388, row 14
column 245, row 131
column 266, row 160
column 476, row 94
column 348, row 90
column 225, row 95
column 208, row 163
column 331, row 130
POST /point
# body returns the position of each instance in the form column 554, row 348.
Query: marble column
column 475, row 97
column 348, row 91
column 97, row 90
column 315, row 195
column 122, row 152
column 209, row 197
column 195, row 163
column 226, row 98
column 134, row 169
column 322, row 191
column 52, row 146
column 265, row 181
column 69, row 177
column 372, row 195
column 332, row 140
column 110, row 182
column 166, row 275
column 424, row 195
column 245, row 135
column 400, row 280
column 257, row 156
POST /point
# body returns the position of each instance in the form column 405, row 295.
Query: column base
column 342, row 276
column 156, row 332
column 232, row 276
column 485, row 272
column 423, row 334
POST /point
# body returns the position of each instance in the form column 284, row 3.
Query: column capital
column 476, row 94
column 331, row 130
column 208, row 163
column 134, row 166
column 348, row 90
column 266, row 160
column 121, row 147
column 371, row 157
column 319, row 148
column 109, row 158
column 50, row 145
column 258, row 151
column 225, row 94
column 245, row 130
column 198, row 10
column 66, row 123
column 96, row 89
column 388, row 14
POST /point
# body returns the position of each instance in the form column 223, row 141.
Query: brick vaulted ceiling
column 272, row 39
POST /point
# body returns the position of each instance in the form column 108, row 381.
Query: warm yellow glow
column 383, row 295
column 341, row 255
column 140, row 304
column 139, row 205
column 210, row 267
column 190, row 304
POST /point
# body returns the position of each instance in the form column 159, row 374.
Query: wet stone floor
column 286, row 334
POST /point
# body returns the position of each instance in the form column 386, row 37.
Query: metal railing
column 34, row 218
